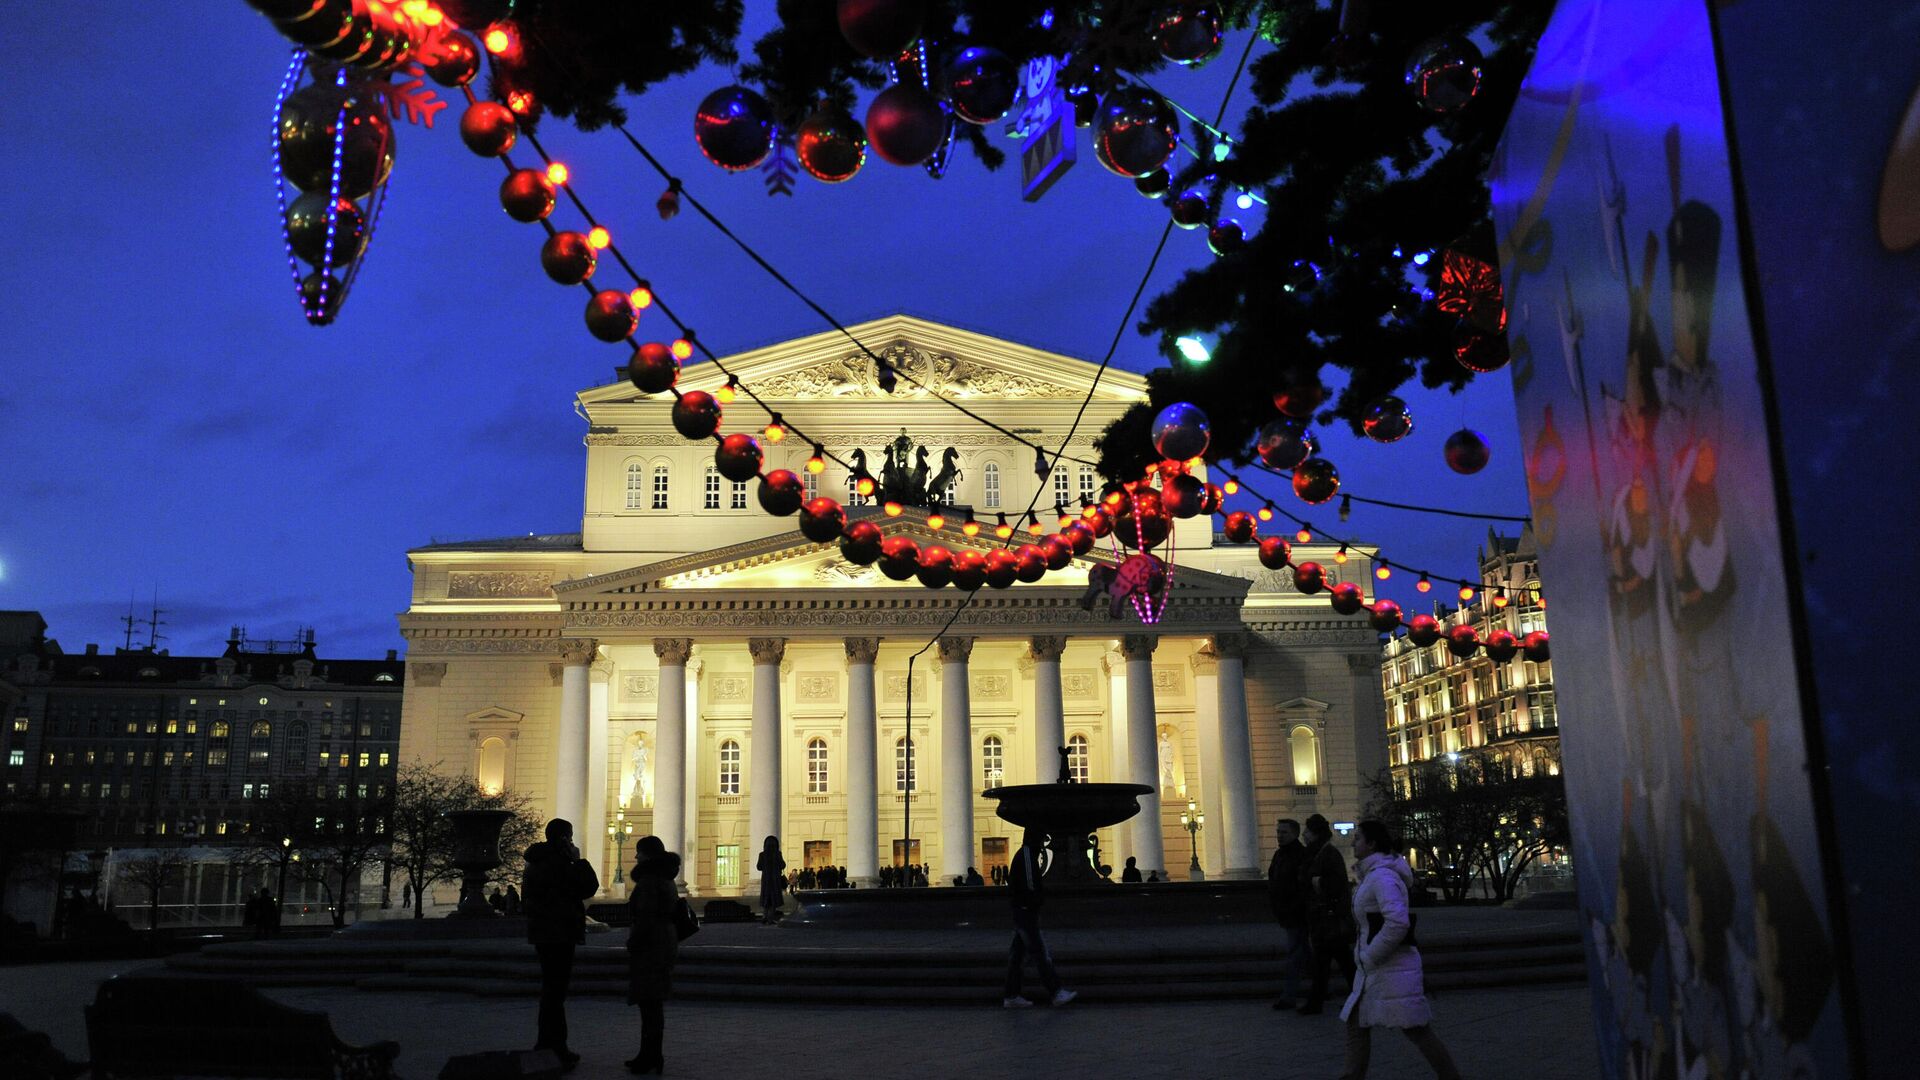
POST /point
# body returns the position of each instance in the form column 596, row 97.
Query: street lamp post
column 618, row 831
column 1193, row 820
column 280, row 894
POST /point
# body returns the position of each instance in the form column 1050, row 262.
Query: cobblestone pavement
column 1523, row 1034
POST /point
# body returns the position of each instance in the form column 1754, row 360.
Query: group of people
column 262, row 913
column 1366, row 930
column 506, row 903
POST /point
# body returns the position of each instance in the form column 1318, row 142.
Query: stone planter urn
column 476, row 851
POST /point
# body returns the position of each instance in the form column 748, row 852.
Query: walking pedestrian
column 558, row 883
column 1390, row 990
column 513, row 901
column 1285, row 891
column 1329, row 897
column 773, row 881
column 653, row 945
column 1028, row 893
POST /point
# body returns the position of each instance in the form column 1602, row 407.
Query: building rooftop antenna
column 154, row 623
column 128, row 621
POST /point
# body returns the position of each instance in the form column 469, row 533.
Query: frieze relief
column 817, row 686
column 497, row 585
column 640, row 687
column 1168, row 679
column 427, row 646
column 729, row 688
column 787, row 619
column 837, row 572
column 993, row 686
column 896, row 687
column 1079, row 685
column 853, row 375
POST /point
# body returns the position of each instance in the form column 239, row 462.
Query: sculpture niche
column 1068, row 813
column 907, row 477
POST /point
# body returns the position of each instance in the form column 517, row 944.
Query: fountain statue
column 1068, row 813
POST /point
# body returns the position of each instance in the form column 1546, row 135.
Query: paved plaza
column 1531, row 1033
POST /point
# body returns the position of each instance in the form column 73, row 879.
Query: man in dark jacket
column 1286, row 892
column 1329, row 897
column 558, row 882
column 1027, row 893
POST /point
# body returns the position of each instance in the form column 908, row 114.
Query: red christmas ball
column 879, row 29
column 1467, row 452
column 1300, row 393
column 1308, row 578
column 1184, row 496
column 1385, row 617
column 488, row 128
column 1100, row 524
column 1537, row 647
column 1002, row 567
column 969, row 569
column 1423, row 630
column 781, row 492
column 738, row 457
column 696, row 414
column 527, row 195
column 1316, row 480
column 1059, row 551
column 1346, row 597
column 1501, row 646
column 821, row 520
column 1032, row 564
column 905, row 124
column 831, row 146
column 1143, row 520
column 1240, row 527
column 1080, row 537
column 1275, row 552
column 1463, row 640
column 454, row 61
column 568, row 258
column 652, row 369
column 610, row 315
column 860, row 543
column 1478, row 348
column 1212, row 499
column 936, row 567
column 899, row 557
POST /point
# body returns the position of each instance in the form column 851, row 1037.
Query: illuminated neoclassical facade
column 693, row 667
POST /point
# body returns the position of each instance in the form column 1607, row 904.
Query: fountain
column 476, row 851
column 1068, row 813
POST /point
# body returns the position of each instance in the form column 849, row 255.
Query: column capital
column 955, row 650
column 1231, row 645
column 1138, row 646
column 1047, row 646
column 578, row 651
column 767, row 650
column 673, row 651
column 862, row 650
column 1363, row 664
column 600, row 671
column 1204, row 660
column 427, row 672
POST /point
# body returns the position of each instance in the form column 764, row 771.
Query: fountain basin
column 1068, row 814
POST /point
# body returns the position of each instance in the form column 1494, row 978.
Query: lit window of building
column 710, row 499
column 816, row 766
column 992, row 761
column 990, row 486
column 729, row 767
column 660, row 481
column 1077, row 764
column 636, row 486
column 904, row 756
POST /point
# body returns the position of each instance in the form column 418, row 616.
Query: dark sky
column 169, row 422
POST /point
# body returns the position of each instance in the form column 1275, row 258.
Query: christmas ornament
column 1031, row 563
column 696, row 414
column 1501, row 646
column 321, row 295
column 738, row 457
column 1226, row 237
column 324, row 127
column 1300, row 393
column 942, row 156
column 779, row 168
column 652, row 368
column 1385, row 617
column 1275, row 552
column 1346, row 597
column 1212, row 498
column 1284, row 444
column 1467, row 451
column 1239, row 527
column 1058, row 549
column 668, row 204
column 1135, row 131
column 308, row 228
column 1181, row 432
column 821, row 520
column 860, row 543
column 905, row 124
column 610, row 315
column 1387, row 420
column 1537, row 647
column 1080, row 537
column 1423, row 630
column 878, row 29
column 1309, row 578
column 1002, row 567
column 1191, row 208
column 1143, row 520
column 527, row 195
column 1154, row 185
column 1188, row 33
column 568, row 258
column 1444, row 73
column 488, row 128
column 454, row 61
column 1480, row 349
column 980, row 83
column 1462, row 640
column 1316, row 480
column 936, row 567
column 969, row 569
column 309, row 23
column 781, row 492
column 1301, row 275
column 831, row 146
column 734, row 127
column 1100, row 524
column 1184, row 496
column 899, row 557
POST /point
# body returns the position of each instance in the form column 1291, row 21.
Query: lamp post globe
column 1193, row 820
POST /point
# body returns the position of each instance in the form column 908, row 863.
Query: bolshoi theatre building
column 691, row 666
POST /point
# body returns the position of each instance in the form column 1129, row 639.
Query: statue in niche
column 1169, row 777
column 639, row 775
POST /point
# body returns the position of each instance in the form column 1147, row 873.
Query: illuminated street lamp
column 618, row 830
column 1193, row 820
column 280, row 894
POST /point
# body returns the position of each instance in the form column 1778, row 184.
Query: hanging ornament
column 969, row 569
column 822, row 519
column 860, row 543
column 1423, row 630
column 1316, row 480
column 1444, row 73
column 980, row 83
column 899, row 557
column 781, row 492
column 1300, row 393
column 1184, row 496
column 1002, row 567
column 831, row 146
column 696, row 415
column 453, row 61
column 1192, row 208
column 1346, row 598
column 332, row 138
column 1385, row 616
column 309, row 226
column 309, row 23
column 610, row 315
column 1212, row 498
column 1309, row 578
column 1537, row 647
column 1181, row 432
column 1058, row 549
column 738, row 457
column 734, row 127
column 568, row 257
column 488, row 128
column 1467, row 451
column 1226, row 237
column 527, row 195
column 1275, row 552
column 321, row 295
column 905, row 124
column 1501, row 646
column 1143, row 521
column 1030, row 563
column 1188, row 33
column 331, row 132
column 1478, row 348
column 1080, row 537
column 1135, row 131
column 668, row 204
column 1462, row 640
column 1239, row 527
column 880, row 28
column 652, row 368
column 1154, row 185
column 1284, row 443
column 935, row 567
column 1387, row 420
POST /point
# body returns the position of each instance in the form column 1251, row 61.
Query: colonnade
column 1226, row 760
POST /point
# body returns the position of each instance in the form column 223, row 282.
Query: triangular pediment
column 934, row 358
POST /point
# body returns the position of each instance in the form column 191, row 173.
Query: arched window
column 729, row 768
column 904, row 771
column 710, row 493
column 660, row 487
column 992, row 762
column 636, row 486
column 990, row 485
column 261, row 730
column 1077, row 759
column 809, row 483
column 491, row 770
column 816, row 766
column 1305, row 746
column 220, row 730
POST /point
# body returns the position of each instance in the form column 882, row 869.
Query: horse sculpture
column 942, row 482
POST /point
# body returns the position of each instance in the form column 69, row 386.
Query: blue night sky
column 169, row 422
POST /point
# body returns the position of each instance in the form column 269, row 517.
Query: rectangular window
column 19, row 723
column 16, row 757
column 166, row 758
column 90, row 754
column 263, row 790
column 739, row 497
column 216, row 757
column 256, row 759
column 710, row 499
column 809, row 485
column 729, row 768
column 817, row 767
column 343, row 761
column 365, row 759
column 990, row 481
column 51, row 757
column 385, row 758
column 86, row 789
column 992, row 762
column 1062, row 489
column 193, row 726
column 726, row 866
column 905, row 762
column 361, row 791
column 188, row 756
column 246, row 791
column 659, row 487
column 173, row 726
column 326, row 752
column 1087, row 485
column 340, row 791
column 636, row 487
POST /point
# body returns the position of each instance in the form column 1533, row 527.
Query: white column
column 956, row 759
column 763, row 775
column 591, row 834
column 1115, row 670
column 1143, row 749
column 1049, row 711
column 863, row 765
column 570, row 746
column 670, row 746
column 1242, row 823
column 690, row 854
column 1206, row 707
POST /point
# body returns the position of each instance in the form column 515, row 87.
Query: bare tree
column 155, row 872
column 350, row 836
column 280, row 831
column 1475, row 816
column 423, row 837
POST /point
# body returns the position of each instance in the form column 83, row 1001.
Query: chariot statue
column 906, row 475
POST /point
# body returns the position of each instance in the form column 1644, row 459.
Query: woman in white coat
column 1389, row 990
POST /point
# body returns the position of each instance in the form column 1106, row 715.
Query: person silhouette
column 1027, row 895
column 558, row 884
